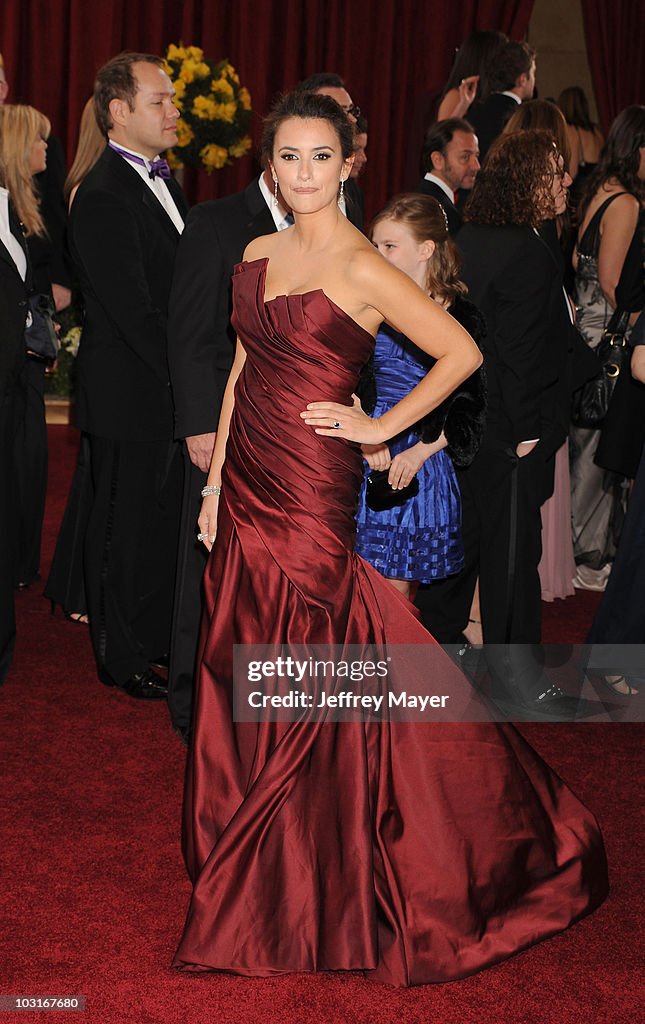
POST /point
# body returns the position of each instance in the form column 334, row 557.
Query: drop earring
column 275, row 193
column 341, row 191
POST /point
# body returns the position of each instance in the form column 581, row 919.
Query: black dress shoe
column 160, row 665
column 552, row 704
column 146, row 686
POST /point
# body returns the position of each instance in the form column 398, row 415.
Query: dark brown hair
column 514, row 185
column 116, row 81
column 620, row 157
column 511, row 61
column 475, row 56
column 307, row 106
column 574, row 105
column 439, row 135
column 425, row 218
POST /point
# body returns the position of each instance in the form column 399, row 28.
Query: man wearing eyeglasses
column 328, row 83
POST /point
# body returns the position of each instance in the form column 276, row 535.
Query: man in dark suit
column 125, row 227
column 512, row 79
column 201, row 344
column 451, row 162
column 14, row 289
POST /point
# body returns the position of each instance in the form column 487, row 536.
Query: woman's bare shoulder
column 260, row 247
column 624, row 209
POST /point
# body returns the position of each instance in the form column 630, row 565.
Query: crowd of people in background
column 527, row 226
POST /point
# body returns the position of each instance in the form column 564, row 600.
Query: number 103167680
column 40, row 1003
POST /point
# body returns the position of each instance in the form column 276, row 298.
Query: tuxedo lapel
column 16, row 228
column 155, row 206
column 17, row 232
column 260, row 220
column 6, row 256
column 177, row 194
column 130, row 180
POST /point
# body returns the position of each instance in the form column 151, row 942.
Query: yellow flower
column 222, row 85
column 205, row 108
column 213, row 157
column 202, row 69
column 175, row 163
column 185, row 134
column 176, row 52
column 72, row 339
column 225, row 111
column 189, row 70
column 196, row 52
column 245, row 98
column 230, row 72
column 180, row 89
column 240, row 148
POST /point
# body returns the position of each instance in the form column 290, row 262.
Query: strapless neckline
column 264, row 260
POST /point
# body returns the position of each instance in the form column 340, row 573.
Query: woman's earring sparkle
column 341, row 191
column 275, row 193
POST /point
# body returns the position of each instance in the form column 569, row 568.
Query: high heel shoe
column 80, row 618
column 611, row 684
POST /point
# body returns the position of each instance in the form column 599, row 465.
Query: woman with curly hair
column 557, row 566
column 514, row 279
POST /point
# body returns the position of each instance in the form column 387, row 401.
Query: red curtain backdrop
column 390, row 53
column 615, row 34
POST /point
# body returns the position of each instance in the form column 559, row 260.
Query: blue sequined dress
column 421, row 539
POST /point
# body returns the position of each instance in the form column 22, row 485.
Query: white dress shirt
column 513, row 95
column 279, row 215
column 156, row 185
column 8, row 239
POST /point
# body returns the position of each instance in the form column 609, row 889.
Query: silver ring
column 201, row 537
column 336, row 425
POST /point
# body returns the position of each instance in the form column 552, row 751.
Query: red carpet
column 95, row 891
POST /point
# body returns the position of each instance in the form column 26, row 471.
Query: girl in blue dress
column 420, row 540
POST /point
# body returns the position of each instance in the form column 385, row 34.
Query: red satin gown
column 415, row 852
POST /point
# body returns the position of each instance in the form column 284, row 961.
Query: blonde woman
column 91, row 143
column 23, row 152
column 65, row 585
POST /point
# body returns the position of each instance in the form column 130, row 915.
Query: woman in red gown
column 417, row 852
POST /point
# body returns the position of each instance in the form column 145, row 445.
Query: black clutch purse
column 40, row 334
column 380, row 496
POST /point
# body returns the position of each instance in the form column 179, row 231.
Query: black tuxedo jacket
column 514, row 280
column 488, row 119
column 124, row 244
column 13, row 312
column 429, row 188
column 354, row 203
column 201, row 341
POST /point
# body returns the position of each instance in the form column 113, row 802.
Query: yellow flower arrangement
column 213, row 129
column 185, row 133
column 240, row 148
column 213, row 156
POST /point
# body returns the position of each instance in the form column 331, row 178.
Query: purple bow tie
column 158, row 168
